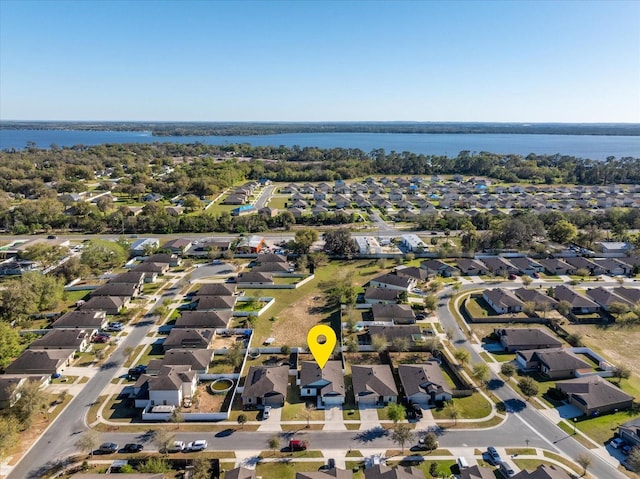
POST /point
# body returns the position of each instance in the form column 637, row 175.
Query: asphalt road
column 532, row 424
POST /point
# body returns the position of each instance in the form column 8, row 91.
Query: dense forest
column 273, row 128
column 32, row 180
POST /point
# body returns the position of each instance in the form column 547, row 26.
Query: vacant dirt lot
column 617, row 343
column 299, row 318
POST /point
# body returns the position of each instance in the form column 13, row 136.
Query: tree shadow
column 495, row 384
column 371, row 434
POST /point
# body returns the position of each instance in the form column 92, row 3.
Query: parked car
column 507, row 470
column 417, row 410
column 101, row 338
column 512, row 276
column 494, row 456
column 266, row 412
column 108, row 448
column 626, row 449
column 199, row 445
column 177, row 446
column 298, row 445
column 115, row 326
column 536, row 275
column 617, row 443
column 132, row 448
column 420, row 316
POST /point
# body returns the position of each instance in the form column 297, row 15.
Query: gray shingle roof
column 377, row 379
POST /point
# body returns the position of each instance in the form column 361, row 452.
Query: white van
column 462, row 463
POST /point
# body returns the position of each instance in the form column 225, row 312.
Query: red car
column 101, row 339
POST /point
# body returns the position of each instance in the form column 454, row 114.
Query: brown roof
column 477, row 472
column 217, row 289
column 594, row 391
column 171, row 378
column 129, row 277
column 398, row 472
column 61, row 339
column 527, row 336
column 196, row 359
column 262, row 380
column 240, row 473
column 331, row 374
column 81, row 319
column 116, row 289
column 426, row 377
column 104, row 302
column 564, row 293
column 376, row 379
column 39, row 361
column 189, row 338
column 216, row 302
column 382, row 294
column 394, row 311
column 335, row 473
column 544, row 471
column 204, row 319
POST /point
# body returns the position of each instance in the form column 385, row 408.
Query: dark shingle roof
column 310, row 373
column 376, row 379
column 261, row 380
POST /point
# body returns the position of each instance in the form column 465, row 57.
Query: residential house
column 544, row 471
column 557, row 267
column 594, row 395
column 81, row 319
column 527, row 265
column 471, row 267
column 268, row 212
column 373, row 384
column 381, row 296
column 170, row 387
column 517, row 339
column 76, row 339
column 630, row 294
column 41, row 361
column 413, row 243
column 157, row 269
column 254, row 279
column 579, row 304
column 334, row 473
column 396, row 313
column 197, row 359
column 240, row 473
column 204, row 319
column 10, row 390
column 325, row 384
column 166, row 258
column 606, row 297
column 380, row 471
column 217, row 289
column 424, row 383
column 217, row 303
column 613, row 247
column 436, row 267
column 188, row 338
column 152, row 197
column 630, row 432
column 124, row 290
column 502, row 300
column 141, row 246
column 554, row 363
column 580, row 262
column 499, row 266
column 250, row 244
column 477, row 472
column 265, row 386
column 133, row 277
column 613, row 267
column 413, row 272
column 177, row 246
column 272, row 268
column 541, row 301
column 392, row 281
column 109, row 304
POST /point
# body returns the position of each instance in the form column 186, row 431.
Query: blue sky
column 523, row 61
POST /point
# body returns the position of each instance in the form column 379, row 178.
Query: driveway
column 368, row 417
column 333, row 420
column 273, row 423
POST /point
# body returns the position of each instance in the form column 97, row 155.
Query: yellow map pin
column 321, row 340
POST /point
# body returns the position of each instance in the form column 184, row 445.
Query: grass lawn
column 472, row 407
column 503, row 357
column 602, row 428
column 287, row 280
column 445, row 468
column 153, row 351
column 278, row 202
column 295, row 408
column 70, row 297
column 285, row 470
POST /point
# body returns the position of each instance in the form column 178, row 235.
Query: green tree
column 634, row 458
column 582, row 272
column 462, row 356
column 452, row 411
column 242, row 418
column 10, row 346
column 32, row 401
column 273, row 443
column 430, row 441
column 528, row 386
column 400, row 344
column 481, row 373
column 622, row 372
column 584, row 461
column 155, row 465
column 9, row 430
column 304, row 238
column 318, row 259
column 99, row 254
column 563, row 307
column 526, row 280
column 396, row 412
column 235, row 355
column 529, row 308
column 508, row 369
column 433, row 469
column 339, row 242
column 430, row 302
column 562, row 232
column 163, row 440
column 401, row 435
column 88, row 442
column 379, row 343
column 201, row 468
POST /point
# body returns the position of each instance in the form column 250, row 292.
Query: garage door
column 371, row 400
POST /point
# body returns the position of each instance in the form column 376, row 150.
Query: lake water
column 583, row 146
